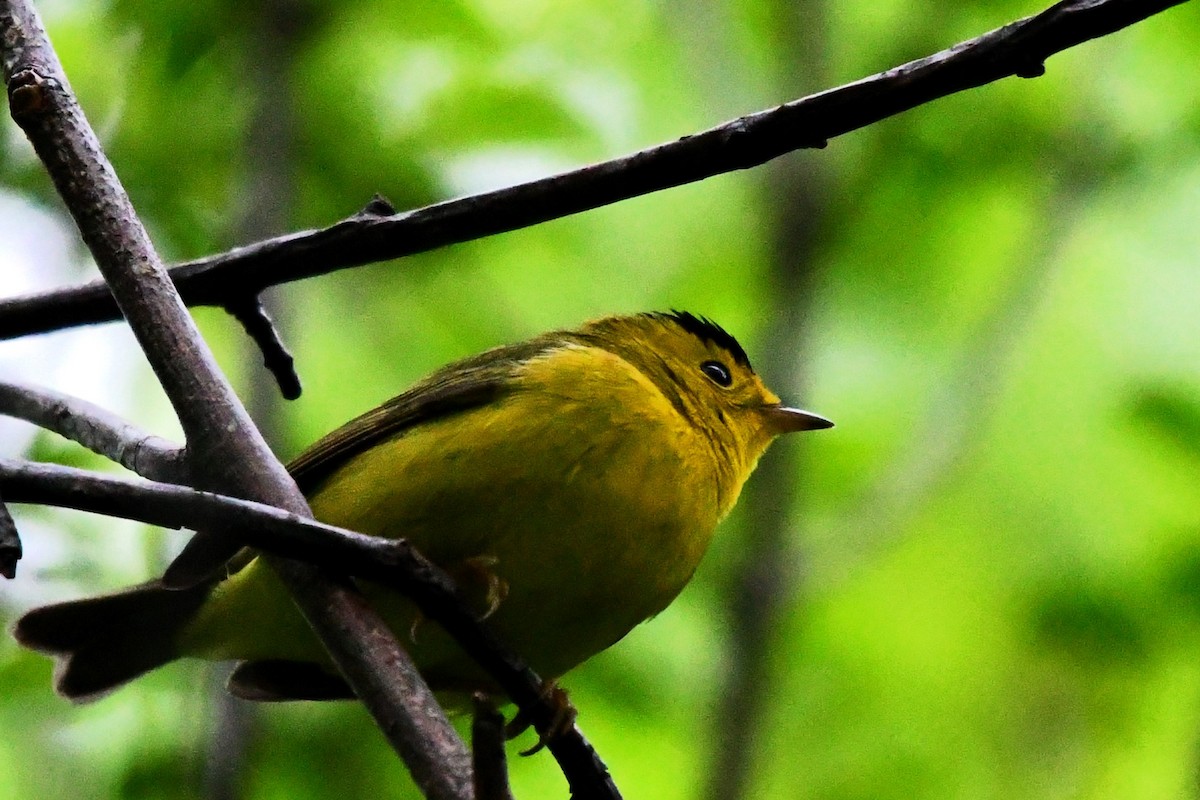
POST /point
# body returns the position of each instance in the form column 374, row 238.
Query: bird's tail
column 103, row 642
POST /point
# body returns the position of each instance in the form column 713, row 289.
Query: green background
column 984, row 583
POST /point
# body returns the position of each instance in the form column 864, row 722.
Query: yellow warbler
column 570, row 483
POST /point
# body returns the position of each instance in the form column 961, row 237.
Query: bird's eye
column 717, row 372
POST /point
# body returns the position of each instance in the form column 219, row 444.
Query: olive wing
column 464, row 385
column 470, row 383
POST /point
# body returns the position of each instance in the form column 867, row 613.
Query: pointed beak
column 791, row 420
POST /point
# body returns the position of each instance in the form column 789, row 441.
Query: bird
column 569, row 483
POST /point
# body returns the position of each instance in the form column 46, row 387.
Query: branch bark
column 487, row 749
column 97, row 429
column 225, row 449
column 10, row 543
column 1019, row 48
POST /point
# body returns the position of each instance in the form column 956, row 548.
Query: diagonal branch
column 225, row 449
column 1016, row 49
column 392, row 562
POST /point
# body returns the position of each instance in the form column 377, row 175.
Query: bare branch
column 10, row 543
column 1016, row 49
column 389, row 561
column 97, row 429
column 487, row 751
column 225, row 449
column 392, row 562
column 258, row 326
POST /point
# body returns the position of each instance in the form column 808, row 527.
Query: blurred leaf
column 1091, row 624
column 161, row 776
column 1182, row 580
column 1173, row 413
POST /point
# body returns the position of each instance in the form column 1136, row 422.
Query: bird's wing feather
column 470, row 383
column 466, row 384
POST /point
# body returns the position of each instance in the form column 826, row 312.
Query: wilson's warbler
column 571, row 484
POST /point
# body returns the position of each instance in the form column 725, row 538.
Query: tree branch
column 261, row 329
column 10, row 543
column 1016, row 49
column 487, row 751
column 392, row 562
column 96, row 429
column 225, row 449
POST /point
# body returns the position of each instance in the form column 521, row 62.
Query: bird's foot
column 476, row 572
column 562, row 721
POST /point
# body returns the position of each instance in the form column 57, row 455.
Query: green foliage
column 1000, row 541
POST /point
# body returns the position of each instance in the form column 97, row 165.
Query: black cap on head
column 705, row 330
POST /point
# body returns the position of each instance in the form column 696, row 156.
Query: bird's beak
column 789, row 420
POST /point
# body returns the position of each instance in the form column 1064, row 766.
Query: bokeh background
column 984, row 583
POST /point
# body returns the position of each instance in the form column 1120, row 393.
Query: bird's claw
column 563, row 720
column 478, row 570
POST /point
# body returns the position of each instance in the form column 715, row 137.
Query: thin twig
column 97, row 429
column 10, row 543
column 256, row 524
column 487, row 751
column 225, row 449
column 261, row 329
column 1016, row 49
column 392, row 562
